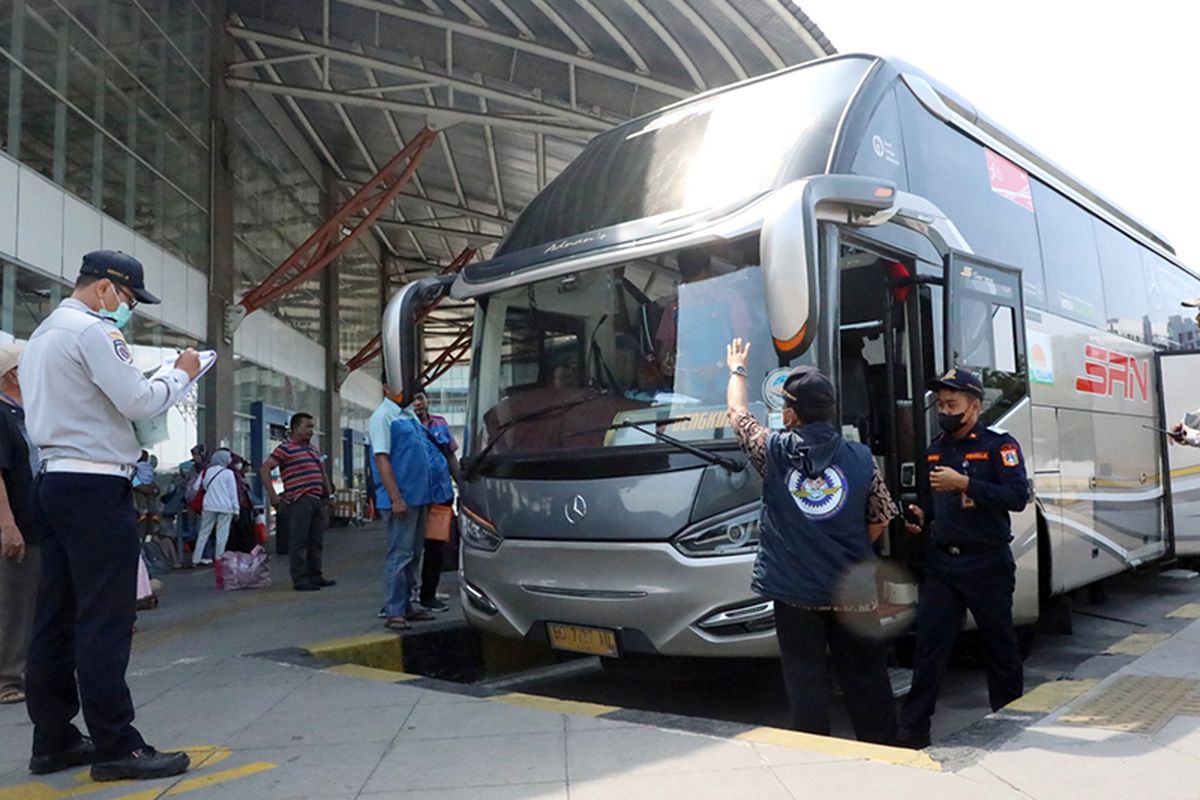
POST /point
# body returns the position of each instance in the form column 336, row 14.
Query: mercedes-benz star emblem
column 575, row 509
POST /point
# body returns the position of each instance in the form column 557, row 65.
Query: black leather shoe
column 911, row 739
column 322, row 582
column 306, row 587
column 82, row 752
column 144, row 763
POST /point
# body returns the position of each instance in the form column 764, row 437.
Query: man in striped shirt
column 306, row 488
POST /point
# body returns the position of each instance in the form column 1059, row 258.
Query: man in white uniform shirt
column 83, row 394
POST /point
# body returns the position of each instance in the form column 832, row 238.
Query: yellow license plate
column 580, row 639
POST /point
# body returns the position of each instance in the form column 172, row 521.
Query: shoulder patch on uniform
column 980, row 455
column 115, row 334
column 1010, row 456
column 933, row 457
column 122, row 351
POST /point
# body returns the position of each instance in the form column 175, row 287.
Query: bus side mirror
column 789, row 248
column 401, row 333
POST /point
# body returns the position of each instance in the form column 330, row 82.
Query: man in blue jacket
column 410, row 474
column 824, row 503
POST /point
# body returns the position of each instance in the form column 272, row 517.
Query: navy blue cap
column 807, row 387
column 119, row 268
column 959, row 380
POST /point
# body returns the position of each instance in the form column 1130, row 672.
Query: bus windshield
column 698, row 155
column 560, row 364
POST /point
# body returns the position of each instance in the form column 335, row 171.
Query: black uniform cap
column 958, row 380
column 119, row 268
column 807, row 387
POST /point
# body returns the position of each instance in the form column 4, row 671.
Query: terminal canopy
column 514, row 87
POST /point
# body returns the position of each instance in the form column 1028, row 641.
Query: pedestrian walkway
column 283, row 727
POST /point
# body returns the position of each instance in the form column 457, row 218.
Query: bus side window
column 1174, row 327
column 952, row 170
column 1127, row 310
column 1069, row 254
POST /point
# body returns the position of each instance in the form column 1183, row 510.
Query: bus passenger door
column 985, row 332
column 1180, row 395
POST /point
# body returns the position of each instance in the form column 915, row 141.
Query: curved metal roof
column 516, row 87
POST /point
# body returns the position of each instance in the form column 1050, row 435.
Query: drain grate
column 1137, row 704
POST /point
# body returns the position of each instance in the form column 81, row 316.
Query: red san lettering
column 1104, row 370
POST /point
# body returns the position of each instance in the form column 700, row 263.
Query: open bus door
column 985, row 332
column 1179, row 376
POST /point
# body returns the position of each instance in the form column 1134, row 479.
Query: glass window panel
column 1174, row 326
column 80, row 156
column 955, row 173
column 40, row 53
column 37, row 128
column 4, row 80
column 1127, row 309
column 1073, row 278
column 32, row 302
column 113, row 195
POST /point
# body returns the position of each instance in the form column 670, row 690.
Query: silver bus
column 851, row 213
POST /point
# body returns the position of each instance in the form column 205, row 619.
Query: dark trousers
column 984, row 586
column 306, row 537
column 83, row 624
column 859, row 662
column 431, row 570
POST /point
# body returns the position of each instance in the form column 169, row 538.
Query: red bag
column 197, row 502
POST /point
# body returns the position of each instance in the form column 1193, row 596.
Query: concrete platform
column 293, row 726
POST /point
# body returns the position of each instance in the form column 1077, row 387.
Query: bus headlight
column 734, row 535
column 477, row 532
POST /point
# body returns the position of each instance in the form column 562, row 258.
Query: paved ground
column 271, row 730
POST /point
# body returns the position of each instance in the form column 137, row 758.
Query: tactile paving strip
column 1137, row 704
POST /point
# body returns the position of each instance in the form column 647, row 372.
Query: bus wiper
column 472, row 466
column 712, row 458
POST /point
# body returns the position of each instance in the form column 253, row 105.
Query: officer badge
column 1009, row 456
column 819, row 497
column 122, row 351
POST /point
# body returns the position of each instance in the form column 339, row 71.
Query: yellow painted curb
column 1136, row 644
column 845, row 748
column 554, row 704
column 378, row 650
column 1051, row 695
column 1189, row 611
column 372, row 673
column 331, row 645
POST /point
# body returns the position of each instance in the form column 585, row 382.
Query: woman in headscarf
column 220, row 505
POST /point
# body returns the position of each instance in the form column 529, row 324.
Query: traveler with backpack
column 218, row 501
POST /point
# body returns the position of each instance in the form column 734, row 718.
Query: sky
column 1110, row 96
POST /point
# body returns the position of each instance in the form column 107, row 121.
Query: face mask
column 950, row 422
column 121, row 315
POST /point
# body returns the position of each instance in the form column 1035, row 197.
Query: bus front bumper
column 655, row 599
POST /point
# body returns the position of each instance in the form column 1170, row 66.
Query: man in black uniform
column 978, row 477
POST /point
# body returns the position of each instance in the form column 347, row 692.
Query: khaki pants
column 18, row 591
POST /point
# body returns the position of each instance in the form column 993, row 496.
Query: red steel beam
column 450, row 356
column 357, row 214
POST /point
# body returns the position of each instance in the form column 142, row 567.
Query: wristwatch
column 738, row 370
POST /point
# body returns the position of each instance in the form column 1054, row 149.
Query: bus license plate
column 580, row 639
